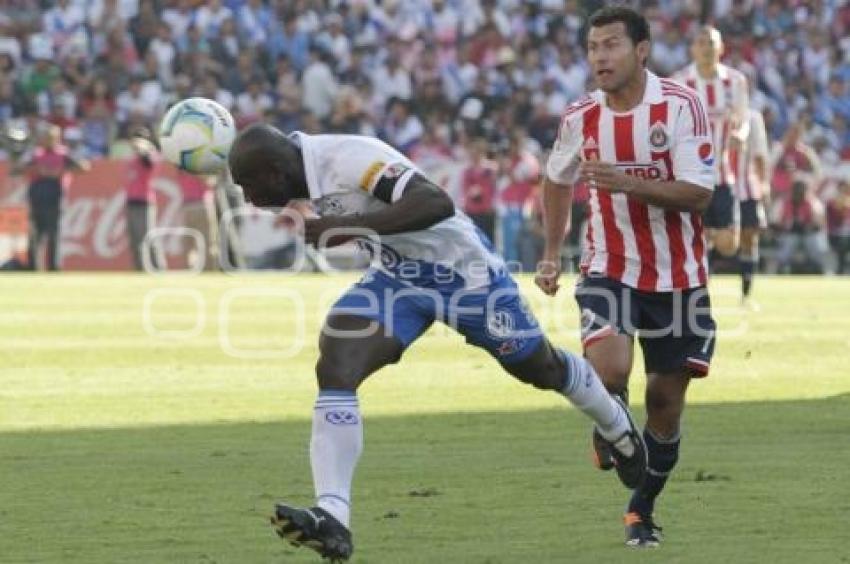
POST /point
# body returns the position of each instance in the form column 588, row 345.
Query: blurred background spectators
column 471, row 89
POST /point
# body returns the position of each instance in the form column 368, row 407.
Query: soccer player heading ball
column 643, row 145
column 430, row 264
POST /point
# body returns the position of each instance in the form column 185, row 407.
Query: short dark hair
column 636, row 25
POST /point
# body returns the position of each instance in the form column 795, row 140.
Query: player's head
column 707, row 46
column 617, row 46
column 51, row 136
column 268, row 166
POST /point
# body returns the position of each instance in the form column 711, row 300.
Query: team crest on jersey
column 706, row 154
column 658, row 137
column 331, row 206
column 394, row 171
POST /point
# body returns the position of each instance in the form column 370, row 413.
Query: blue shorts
column 495, row 318
column 675, row 329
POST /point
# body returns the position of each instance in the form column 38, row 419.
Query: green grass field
column 147, row 419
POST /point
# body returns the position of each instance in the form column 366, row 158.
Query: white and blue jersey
column 354, row 174
column 448, row 272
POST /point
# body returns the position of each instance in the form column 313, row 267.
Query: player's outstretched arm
column 422, row 205
column 557, row 204
column 674, row 195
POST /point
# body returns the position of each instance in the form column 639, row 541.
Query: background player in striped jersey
column 643, row 145
column 725, row 94
column 751, row 163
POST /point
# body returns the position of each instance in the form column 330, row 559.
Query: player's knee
column 664, row 409
column 543, row 369
column 337, row 375
column 613, row 372
column 726, row 243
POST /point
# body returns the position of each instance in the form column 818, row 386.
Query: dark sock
column 748, row 268
column 662, row 459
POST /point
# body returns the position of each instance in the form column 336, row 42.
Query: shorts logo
column 509, row 347
column 342, row 418
column 587, row 319
column 500, row 324
column 706, row 154
column 658, row 136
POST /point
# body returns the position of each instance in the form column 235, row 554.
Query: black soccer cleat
column 630, row 469
column 314, row 528
column 641, row 531
column 602, row 457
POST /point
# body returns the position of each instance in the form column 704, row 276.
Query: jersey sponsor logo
column 650, row 171
column 340, row 417
column 706, row 154
column 368, row 178
column 500, row 324
column 658, row 137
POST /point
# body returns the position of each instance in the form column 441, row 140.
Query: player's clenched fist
column 548, row 273
column 328, row 231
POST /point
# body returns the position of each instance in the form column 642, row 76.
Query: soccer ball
column 196, row 135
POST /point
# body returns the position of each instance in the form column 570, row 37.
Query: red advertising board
column 94, row 226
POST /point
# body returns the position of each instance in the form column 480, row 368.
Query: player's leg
column 573, row 377
column 748, row 257
column 501, row 323
column 671, row 362
column 752, row 221
column 606, row 328
column 720, row 221
column 354, row 343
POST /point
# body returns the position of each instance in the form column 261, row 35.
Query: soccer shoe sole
column 291, row 525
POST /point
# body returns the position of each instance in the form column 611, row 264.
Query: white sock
column 334, row 449
column 586, row 391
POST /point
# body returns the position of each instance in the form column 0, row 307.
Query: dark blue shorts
column 723, row 210
column 675, row 329
column 495, row 318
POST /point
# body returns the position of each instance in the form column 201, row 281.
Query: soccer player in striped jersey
column 725, row 94
column 751, row 163
column 430, row 263
column 643, row 145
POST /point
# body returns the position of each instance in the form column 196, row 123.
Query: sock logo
column 342, row 418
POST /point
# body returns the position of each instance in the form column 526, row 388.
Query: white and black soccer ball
column 196, row 135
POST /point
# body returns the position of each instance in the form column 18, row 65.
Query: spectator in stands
column 402, row 129
column 48, row 166
column 319, row 85
column 801, row 224
column 838, row 221
column 478, row 188
column 519, row 173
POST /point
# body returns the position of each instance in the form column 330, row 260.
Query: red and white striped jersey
column 726, row 99
column 666, row 137
column 747, row 184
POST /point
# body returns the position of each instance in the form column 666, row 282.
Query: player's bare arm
column 557, row 204
column 672, row 195
column 422, row 205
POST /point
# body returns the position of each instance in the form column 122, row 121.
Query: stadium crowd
column 479, row 82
